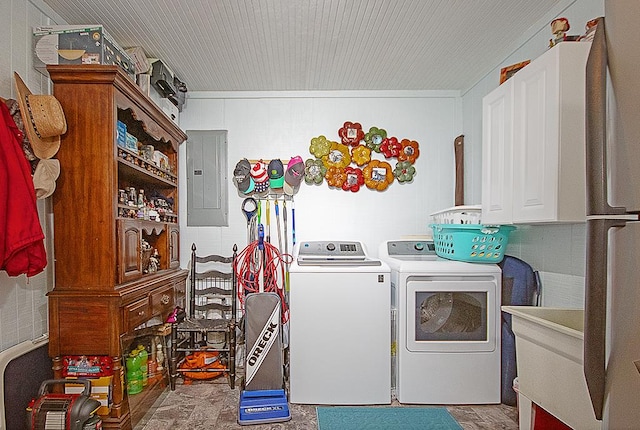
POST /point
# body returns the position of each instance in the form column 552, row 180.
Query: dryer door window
column 451, row 314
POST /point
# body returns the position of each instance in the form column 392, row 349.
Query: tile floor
column 213, row 405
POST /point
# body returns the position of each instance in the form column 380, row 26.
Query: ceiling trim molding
column 322, row 94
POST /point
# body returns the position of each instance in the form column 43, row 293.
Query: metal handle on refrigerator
column 595, row 308
column 596, row 130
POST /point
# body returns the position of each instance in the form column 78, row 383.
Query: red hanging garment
column 21, row 237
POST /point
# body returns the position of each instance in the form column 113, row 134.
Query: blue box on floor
column 263, row 406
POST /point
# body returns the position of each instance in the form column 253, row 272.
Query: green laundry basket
column 473, row 243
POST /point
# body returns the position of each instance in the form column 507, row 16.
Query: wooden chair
column 203, row 342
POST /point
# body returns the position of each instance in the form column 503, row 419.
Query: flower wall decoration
column 354, row 179
column 351, row 133
column 410, row 151
column 314, row 171
column 335, row 176
column 361, row 155
column 320, row 146
column 332, row 159
column 378, row 175
column 374, row 138
column 391, row 147
column 404, row 171
column 338, row 156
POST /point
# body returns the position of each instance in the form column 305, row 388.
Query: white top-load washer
column 340, row 326
column 446, row 326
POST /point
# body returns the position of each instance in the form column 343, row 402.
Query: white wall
column 281, row 125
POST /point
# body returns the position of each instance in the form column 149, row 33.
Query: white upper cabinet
column 534, row 141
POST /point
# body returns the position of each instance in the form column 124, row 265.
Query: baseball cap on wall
column 45, row 176
column 293, row 175
column 260, row 177
column 242, row 177
column 276, row 174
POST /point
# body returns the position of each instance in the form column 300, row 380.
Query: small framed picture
column 507, row 72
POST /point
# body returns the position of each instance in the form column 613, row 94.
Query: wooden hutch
column 105, row 288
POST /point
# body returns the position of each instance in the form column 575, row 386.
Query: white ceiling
column 281, row 45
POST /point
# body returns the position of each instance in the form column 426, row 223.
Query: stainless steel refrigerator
column 612, row 289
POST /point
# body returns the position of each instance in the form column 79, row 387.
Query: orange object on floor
column 200, row 360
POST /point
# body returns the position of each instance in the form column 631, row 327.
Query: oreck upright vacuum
column 263, row 398
column 260, row 269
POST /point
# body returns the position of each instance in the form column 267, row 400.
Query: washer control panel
column 331, row 249
column 332, row 253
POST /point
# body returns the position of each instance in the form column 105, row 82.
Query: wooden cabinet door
column 129, row 258
column 174, row 247
column 497, row 165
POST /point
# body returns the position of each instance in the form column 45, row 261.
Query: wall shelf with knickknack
column 116, row 237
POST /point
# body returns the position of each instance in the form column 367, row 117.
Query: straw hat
column 43, row 118
column 44, row 178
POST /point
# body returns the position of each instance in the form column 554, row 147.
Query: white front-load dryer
column 446, row 327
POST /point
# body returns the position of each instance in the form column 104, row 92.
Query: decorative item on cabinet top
column 509, row 71
column 560, row 26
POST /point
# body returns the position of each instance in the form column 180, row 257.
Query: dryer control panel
column 411, row 247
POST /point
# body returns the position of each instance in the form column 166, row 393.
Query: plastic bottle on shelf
column 160, row 355
column 144, row 368
column 152, row 364
column 134, row 374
